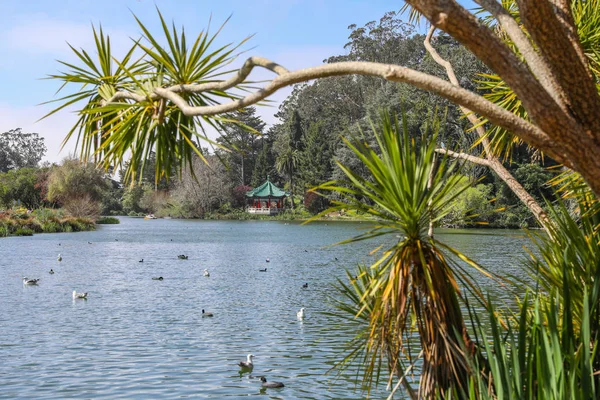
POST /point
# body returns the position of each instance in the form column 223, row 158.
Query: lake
column 135, row 337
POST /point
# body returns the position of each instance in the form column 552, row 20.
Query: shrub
column 83, row 206
column 239, row 195
column 51, row 227
column 315, row 203
column 80, row 224
column 108, row 220
column 23, row 232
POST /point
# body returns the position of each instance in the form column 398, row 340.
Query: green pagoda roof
column 267, row 189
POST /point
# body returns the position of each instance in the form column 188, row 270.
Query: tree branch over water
column 490, row 160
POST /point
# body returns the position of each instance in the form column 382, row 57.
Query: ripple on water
column 135, row 337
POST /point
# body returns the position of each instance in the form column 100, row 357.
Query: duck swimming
column 207, row 314
column 305, row 286
column 59, row 258
column 142, row 260
column 268, row 260
column 266, row 384
column 182, row 257
column 157, row 278
column 30, row 281
column 51, row 271
column 79, row 295
column 248, row 363
column 262, row 270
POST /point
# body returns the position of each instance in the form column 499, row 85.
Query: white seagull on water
column 248, row 363
column 79, row 295
column 300, row 313
column 206, row 273
column 30, row 281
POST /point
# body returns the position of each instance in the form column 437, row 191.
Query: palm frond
column 411, row 293
column 111, row 132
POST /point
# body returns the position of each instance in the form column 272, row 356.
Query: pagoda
column 267, row 199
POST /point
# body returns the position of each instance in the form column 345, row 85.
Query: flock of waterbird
column 33, row 282
column 246, row 366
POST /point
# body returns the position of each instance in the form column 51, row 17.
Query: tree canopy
column 20, row 150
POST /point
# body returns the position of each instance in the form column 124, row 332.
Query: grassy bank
column 21, row 222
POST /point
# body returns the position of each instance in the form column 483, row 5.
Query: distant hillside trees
column 20, row 150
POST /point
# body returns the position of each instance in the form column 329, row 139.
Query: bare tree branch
column 491, row 160
column 464, row 156
column 451, row 17
column 497, row 115
column 238, row 78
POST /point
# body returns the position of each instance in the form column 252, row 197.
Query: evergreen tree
column 314, row 161
column 288, row 146
column 242, row 139
column 264, row 165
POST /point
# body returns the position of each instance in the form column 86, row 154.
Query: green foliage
column 542, row 354
column 51, row 227
column 265, row 164
column 23, row 232
column 534, row 178
column 243, row 138
column 315, row 159
column 15, row 222
column 79, row 224
column 471, row 207
column 132, row 197
column 571, row 255
column 112, row 201
column 108, row 221
column 75, row 179
column 288, row 146
column 20, row 186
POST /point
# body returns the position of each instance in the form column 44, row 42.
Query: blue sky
column 295, row 33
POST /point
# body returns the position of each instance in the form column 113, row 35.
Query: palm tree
column 111, row 128
column 413, row 284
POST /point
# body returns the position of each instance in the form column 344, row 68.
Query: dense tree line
column 306, row 143
column 300, row 151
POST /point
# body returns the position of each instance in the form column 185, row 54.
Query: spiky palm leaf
column 99, row 80
column 413, row 285
column 545, row 353
column 571, row 254
column 112, row 132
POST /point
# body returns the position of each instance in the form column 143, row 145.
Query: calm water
column 140, row 338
